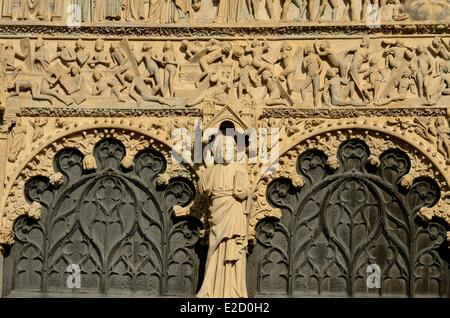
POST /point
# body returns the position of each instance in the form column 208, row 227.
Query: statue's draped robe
column 226, row 261
column 135, row 10
column 229, row 10
column 33, row 9
column 157, row 11
column 84, row 7
column 113, row 9
column 99, row 10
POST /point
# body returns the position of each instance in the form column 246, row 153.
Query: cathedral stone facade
column 350, row 98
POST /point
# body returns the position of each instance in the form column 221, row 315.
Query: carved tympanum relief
column 185, row 74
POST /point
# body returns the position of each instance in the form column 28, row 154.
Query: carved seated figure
column 140, row 89
column 403, row 85
column 103, row 87
column 273, row 90
column 442, row 87
column 219, row 83
column 338, row 92
column 100, row 57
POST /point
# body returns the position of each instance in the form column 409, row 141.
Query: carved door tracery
column 114, row 223
column 342, row 221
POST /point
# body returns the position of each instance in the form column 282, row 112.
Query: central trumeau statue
column 226, row 187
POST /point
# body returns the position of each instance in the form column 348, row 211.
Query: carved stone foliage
column 114, row 222
column 138, row 12
column 251, row 73
column 342, row 220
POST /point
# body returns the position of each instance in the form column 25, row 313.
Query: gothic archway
column 335, row 223
column 112, row 219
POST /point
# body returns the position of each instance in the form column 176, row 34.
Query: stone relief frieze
column 223, row 11
column 297, row 74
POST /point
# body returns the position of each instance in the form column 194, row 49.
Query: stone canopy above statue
column 150, row 12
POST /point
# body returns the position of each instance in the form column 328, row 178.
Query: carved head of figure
column 436, row 42
column 267, row 75
column 99, row 45
column 332, row 72
column 224, row 149
column 365, row 42
column 184, row 43
column 407, row 73
column 308, row 50
column 421, row 49
column 39, row 42
column 147, row 47
column 440, row 122
column 255, row 43
column 375, row 61
column 443, row 69
column 128, row 76
column 168, row 46
column 324, row 45
column 286, row 46
column 227, row 47
column 74, row 70
column 61, row 46
column 79, row 45
column 9, row 46
column 238, row 52
column 399, row 43
column 97, row 76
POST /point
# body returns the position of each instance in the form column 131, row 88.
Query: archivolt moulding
column 40, row 163
column 424, row 163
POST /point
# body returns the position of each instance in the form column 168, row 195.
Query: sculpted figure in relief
column 442, row 133
column 103, row 87
column 338, row 92
column 333, row 4
column 134, row 10
column 100, row 57
column 246, row 75
column 169, row 59
column 99, row 10
column 65, row 54
column 151, row 61
column 83, row 54
column 274, row 92
column 313, row 66
column 17, row 140
column 225, row 186
column 140, row 90
column 289, row 60
column 257, row 49
column 41, row 59
column 397, row 57
column 424, row 66
column 33, row 9
column 371, row 7
column 401, row 87
column 360, row 55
